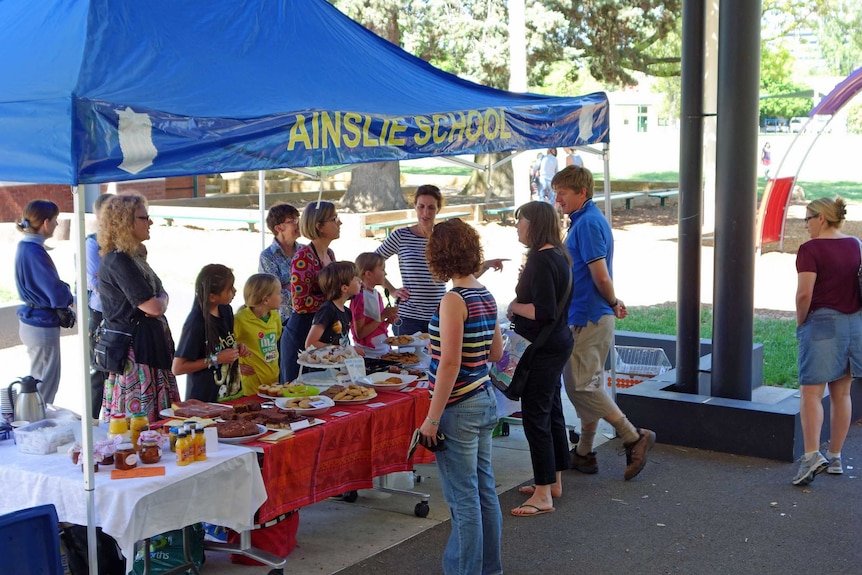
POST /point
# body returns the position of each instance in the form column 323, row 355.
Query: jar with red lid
column 125, row 457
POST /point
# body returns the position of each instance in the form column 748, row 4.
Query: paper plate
column 378, row 380
column 281, row 403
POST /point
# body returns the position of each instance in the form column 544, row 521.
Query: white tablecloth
column 226, row 489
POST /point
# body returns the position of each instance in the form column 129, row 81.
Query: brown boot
column 636, row 453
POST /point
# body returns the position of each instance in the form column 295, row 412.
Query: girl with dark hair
column 134, row 302
column 41, row 291
column 543, row 284
column 208, row 350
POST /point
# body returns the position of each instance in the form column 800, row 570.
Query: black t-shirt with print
column 336, row 324
column 209, row 384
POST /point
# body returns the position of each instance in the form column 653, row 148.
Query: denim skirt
column 829, row 343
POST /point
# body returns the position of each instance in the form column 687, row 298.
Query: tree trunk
column 374, row 187
column 502, row 184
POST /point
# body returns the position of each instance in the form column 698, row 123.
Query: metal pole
column 690, row 197
column 261, row 202
column 736, row 193
column 79, row 236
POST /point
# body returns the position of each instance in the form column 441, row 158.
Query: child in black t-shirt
column 331, row 325
column 208, row 351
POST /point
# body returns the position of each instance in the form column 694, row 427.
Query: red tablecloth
column 344, row 454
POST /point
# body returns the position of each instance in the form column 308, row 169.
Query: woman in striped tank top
column 465, row 336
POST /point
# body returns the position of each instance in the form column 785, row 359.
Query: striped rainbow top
column 478, row 334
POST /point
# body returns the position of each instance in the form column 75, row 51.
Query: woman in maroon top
column 829, row 331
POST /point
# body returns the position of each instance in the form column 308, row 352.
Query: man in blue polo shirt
column 592, row 317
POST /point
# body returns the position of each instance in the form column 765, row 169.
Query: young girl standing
column 257, row 325
column 371, row 319
column 208, row 350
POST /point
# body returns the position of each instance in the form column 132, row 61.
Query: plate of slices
column 391, row 381
column 231, row 427
column 313, row 405
column 276, row 390
column 328, row 356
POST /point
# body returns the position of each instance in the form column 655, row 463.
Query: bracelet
column 433, row 421
column 615, row 304
column 214, row 361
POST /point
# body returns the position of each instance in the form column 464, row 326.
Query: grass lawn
column 778, row 337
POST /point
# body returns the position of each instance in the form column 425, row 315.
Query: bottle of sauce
column 200, row 442
column 137, row 424
column 173, row 438
column 184, row 449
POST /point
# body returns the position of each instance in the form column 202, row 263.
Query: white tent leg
column 261, row 201
column 78, row 233
column 607, row 183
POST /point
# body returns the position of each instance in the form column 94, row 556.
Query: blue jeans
column 292, row 342
column 409, row 326
column 468, row 485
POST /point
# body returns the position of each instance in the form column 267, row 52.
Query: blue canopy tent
column 99, row 91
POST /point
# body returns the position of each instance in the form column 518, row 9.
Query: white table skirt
column 226, row 489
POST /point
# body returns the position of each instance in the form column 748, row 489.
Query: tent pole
column 607, row 182
column 78, row 232
column 261, row 202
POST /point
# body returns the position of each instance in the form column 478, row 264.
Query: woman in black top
column 543, row 284
column 134, row 302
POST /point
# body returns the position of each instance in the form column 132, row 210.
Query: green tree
column 776, row 73
column 840, row 37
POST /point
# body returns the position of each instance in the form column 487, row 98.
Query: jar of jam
column 138, row 423
column 150, row 452
column 118, row 425
column 125, row 457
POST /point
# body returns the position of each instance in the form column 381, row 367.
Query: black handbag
column 514, row 389
column 111, row 350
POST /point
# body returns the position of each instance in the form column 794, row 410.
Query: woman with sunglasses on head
column 829, row 331
column 319, row 223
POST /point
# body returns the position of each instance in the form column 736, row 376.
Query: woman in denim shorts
column 829, row 331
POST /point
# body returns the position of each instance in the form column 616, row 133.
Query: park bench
column 390, row 225
column 627, row 196
column 171, row 213
column 502, row 212
column 663, row 194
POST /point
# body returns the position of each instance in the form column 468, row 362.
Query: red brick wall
column 13, row 197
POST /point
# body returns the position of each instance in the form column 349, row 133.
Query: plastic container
column 635, row 364
column 44, row 437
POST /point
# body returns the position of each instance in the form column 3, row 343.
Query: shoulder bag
column 511, row 372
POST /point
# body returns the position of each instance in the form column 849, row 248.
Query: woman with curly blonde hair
column 134, row 302
column 464, row 338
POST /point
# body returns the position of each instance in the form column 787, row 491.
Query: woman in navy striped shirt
column 421, row 291
column 465, row 336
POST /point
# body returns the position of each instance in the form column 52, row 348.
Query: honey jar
column 118, row 425
column 125, row 457
column 138, row 423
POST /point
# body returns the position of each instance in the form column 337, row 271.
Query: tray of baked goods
column 196, row 408
column 350, row 394
column 327, row 356
column 254, row 413
column 415, row 340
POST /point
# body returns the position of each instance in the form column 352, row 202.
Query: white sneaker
column 835, row 467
